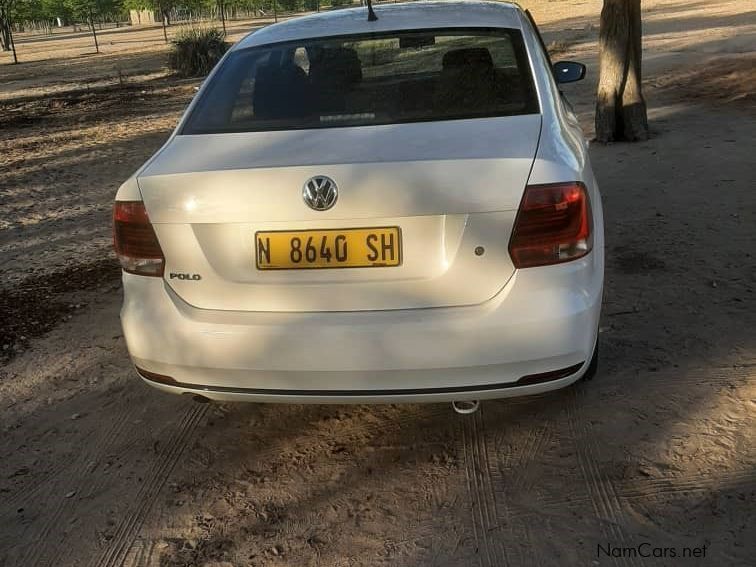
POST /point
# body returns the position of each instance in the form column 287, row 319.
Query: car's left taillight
column 134, row 239
column 553, row 225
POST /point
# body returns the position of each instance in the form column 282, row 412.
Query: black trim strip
column 553, row 375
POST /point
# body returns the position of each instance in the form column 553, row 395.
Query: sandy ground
column 98, row 469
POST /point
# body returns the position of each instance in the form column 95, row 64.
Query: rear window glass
column 371, row 79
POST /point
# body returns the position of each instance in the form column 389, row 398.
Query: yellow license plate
column 329, row 248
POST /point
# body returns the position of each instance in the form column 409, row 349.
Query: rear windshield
column 371, row 79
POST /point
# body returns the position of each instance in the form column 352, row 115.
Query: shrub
column 196, row 51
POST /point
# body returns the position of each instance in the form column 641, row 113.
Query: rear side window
column 391, row 78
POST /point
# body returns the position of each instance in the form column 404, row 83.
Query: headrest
column 279, row 91
column 471, row 56
column 336, row 65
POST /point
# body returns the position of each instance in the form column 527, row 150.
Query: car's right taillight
column 134, row 239
column 553, row 225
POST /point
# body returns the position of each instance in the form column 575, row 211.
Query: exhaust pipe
column 466, row 407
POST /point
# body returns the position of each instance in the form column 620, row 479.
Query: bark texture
column 5, row 31
column 4, row 36
column 620, row 106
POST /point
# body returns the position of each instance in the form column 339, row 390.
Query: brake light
column 134, row 239
column 553, row 225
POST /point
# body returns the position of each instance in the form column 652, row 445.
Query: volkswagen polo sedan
column 369, row 211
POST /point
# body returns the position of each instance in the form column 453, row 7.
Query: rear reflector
column 552, row 226
column 531, row 379
column 135, row 241
column 154, row 377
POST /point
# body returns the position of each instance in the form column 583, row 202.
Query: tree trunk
column 166, row 23
column 620, row 106
column 4, row 39
column 94, row 33
column 222, row 12
column 6, row 32
column 13, row 45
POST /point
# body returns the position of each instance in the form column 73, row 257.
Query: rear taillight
column 552, row 226
column 135, row 242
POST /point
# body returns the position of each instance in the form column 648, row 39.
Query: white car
column 369, row 211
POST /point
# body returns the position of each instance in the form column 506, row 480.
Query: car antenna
column 371, row 15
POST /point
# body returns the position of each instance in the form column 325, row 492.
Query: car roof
column 391, row 17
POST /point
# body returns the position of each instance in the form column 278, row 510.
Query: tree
column 87, row 10
column 7, row 8
column 28, row 11
column 53, row 9
column 162, row 7
column 620, row 106
column 19, row 12
column 222, row 13
column 40, row 11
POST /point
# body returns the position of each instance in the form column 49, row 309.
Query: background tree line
column 20, row 15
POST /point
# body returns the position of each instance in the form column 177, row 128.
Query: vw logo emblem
column 320, row 192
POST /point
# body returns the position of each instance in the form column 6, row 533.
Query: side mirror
column 568, row 71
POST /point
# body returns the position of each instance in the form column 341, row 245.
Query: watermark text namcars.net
column 647, row 549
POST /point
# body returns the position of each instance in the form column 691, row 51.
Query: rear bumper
column 490, row 391
column 544, row 320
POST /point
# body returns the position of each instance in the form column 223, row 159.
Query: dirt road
column 98, row 469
